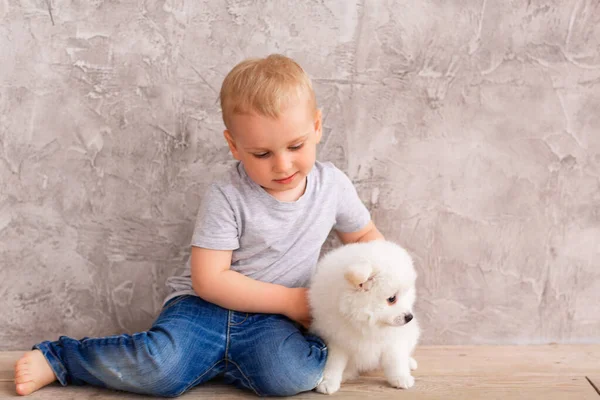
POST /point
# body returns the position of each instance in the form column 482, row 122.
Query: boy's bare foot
column 32, row 372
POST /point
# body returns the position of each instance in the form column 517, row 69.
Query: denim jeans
column 191, row 342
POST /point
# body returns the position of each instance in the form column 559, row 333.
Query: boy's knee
column 156, row 383
column 289, row 383
column 160, row 383
column 288, row 376
column 153, row 373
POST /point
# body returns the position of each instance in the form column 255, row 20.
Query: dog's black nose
column 408, row 318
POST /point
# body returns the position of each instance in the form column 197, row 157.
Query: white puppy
column 362, row 296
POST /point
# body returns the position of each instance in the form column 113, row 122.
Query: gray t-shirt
column 273, row 241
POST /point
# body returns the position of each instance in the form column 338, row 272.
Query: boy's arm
column 214, row 281
column 366, row 234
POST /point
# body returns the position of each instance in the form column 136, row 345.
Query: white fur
column 348, row 297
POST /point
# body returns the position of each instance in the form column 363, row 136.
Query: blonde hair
column 265, row 86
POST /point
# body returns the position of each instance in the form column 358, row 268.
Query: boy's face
column 277, row 153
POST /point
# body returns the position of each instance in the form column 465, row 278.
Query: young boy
column 236, row 313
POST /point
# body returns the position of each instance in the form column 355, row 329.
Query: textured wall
column 471, row 129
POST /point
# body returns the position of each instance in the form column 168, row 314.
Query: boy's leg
column 184, row 347
column 272, row 357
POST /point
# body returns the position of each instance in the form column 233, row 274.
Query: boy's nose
column 282, row 164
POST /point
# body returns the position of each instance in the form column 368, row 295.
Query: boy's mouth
column 286, row 180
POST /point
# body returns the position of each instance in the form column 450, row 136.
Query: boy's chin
column 298, row 180
column 282, row 192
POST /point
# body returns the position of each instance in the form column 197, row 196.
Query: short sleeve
column 351, row 213
column 216, row 227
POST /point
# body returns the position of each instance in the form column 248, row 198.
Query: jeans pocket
column 175, row 300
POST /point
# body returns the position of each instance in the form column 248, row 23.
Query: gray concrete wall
column 470, row 128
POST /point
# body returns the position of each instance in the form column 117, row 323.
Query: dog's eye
column 391, row 300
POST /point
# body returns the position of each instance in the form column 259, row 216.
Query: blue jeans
column 191, row 342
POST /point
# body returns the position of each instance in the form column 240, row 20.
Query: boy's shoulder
column 327, row 168
column 328, row 171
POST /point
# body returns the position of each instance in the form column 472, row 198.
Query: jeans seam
column 239, row 323
column 227, row 339
column 319, row 380
column 62, row 370
column 247, row 379
column 194, row 382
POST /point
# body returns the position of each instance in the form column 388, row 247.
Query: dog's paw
column 328, row 386
column 402, row 382
column 412, row 363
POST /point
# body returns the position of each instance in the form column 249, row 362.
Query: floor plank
column 548, row 388
column 445, row 372
column 573, row 360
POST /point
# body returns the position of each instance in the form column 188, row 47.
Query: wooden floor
column 456, row 372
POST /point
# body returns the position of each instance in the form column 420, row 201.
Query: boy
column 236, row 312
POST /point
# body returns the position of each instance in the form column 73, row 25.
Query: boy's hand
column 297, row 308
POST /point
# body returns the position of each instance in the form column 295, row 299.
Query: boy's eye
column 261, row 155
column 391, row 300
column 297, row 147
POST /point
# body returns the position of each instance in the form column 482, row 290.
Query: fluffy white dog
column 362, row 296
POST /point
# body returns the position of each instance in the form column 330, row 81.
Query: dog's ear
column 359, row 275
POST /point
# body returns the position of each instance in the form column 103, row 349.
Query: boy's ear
column 359, row 275
column 232, row 146
column 318, row 125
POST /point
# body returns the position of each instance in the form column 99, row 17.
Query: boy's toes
column 26, row 388
column 24, row 383
column 32, row 372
